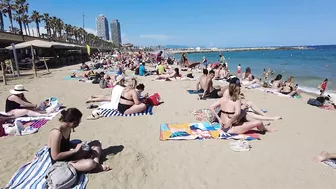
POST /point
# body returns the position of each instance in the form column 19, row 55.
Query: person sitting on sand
column 248, row 78
column 84, row 67
column 323, row 156
column 129, row 100
column 207, row 85
column 202, row 78
column 288, row 88
column 18, row 106
column 169, row 76
column 61, row 149
column 160, row 69
column 276, row 83
column 231, row 117
column 140, row 89
column 107, row 98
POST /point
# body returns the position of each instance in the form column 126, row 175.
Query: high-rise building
column 102, row 27
column 115, row 32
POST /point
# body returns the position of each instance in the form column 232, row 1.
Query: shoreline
column 192, row 51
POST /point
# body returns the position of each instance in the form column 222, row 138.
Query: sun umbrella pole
column 16, row 60
column 33, row 60
column 3, row 73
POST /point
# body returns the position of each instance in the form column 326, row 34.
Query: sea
column 309, row 67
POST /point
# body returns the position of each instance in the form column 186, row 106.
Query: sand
column 140, row 160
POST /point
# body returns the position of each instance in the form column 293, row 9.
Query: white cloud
column 160, row 37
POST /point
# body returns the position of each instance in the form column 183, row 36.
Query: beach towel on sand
column 115, row 112
column 195, row 92
column 330, row 162
column 115, row 98
column 204, row 130
column 32, row 175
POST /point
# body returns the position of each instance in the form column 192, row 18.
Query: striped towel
column 32, row 175
column 112, row 112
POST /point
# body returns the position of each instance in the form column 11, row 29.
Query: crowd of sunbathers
column 232, row 110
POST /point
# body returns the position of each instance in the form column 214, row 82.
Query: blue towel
column 32, row 175
column 112, row 112
column 197, row 92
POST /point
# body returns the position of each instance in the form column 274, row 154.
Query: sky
column 210, row 23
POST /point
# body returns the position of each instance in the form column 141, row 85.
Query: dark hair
column 278, row 77
column 205, row 71
column 248, row 70
column 140, row 87
column 71, row 115
column 177, row 71
column 325, row 80
column 212, row 72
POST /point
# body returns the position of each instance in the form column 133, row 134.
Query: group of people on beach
column 232, row 110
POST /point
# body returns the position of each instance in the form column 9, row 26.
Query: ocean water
column 309, row 67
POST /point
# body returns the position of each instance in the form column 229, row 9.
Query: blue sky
column 221, row 23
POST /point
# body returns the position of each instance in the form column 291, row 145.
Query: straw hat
column 18, row 89
column 118, row 79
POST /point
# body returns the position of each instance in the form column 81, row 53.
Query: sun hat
column 235, row 81
column 18, row 89
column 118, row 79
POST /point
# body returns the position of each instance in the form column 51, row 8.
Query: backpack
column 103, row 84
column 314, row 102
column 61, row 175
column 154, row 100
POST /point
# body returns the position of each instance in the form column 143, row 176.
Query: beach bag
column 154, row 99
column 314, row 102
column 61, row 175
column 103, row 84
column 50, row 105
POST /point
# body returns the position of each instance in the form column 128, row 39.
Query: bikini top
column 122, row 97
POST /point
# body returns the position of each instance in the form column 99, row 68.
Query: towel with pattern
column 32, row 175
column 204, row 130
column 113, row 112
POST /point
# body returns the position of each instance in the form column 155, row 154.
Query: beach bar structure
column 38, row 44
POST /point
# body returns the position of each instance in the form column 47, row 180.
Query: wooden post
column 46, row 65
column 12, row 68
column 3, row 73
column 33, row 60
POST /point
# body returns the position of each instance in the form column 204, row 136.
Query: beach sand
column 280, row 160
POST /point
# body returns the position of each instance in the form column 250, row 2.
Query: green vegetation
column 57, row 30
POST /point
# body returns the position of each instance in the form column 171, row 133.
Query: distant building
column 115, row 32
column 102, row 27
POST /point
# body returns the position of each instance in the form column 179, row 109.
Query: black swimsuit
column 123, row 107
column 227, row 113
column 65, row 146
column 11, row 105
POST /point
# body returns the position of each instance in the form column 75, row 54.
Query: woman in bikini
column 231, row 117
column 276, row 83
column 173, row 75
column 129, row 100
column 288, row 88
column 61, row 149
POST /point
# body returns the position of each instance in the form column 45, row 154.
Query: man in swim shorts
column 207, row 85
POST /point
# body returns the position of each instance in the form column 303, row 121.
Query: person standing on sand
column 323, row 86
column 205, row 62
column 238, row 70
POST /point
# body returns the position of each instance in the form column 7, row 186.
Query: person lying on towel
column 84, row 157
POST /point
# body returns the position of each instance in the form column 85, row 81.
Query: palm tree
column 20, row 8
column 59, row 27
column 46, row 20
column 67, row 28
column 36, row 17
column 7, row 8
column 2, row 26
column 26, row 21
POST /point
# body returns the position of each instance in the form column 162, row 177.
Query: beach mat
column 114, row 113
column 32, row 175
column 331, row 163
column 71, row 78
column 195, row 92
column 203, row 130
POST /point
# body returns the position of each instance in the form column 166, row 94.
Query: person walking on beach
column 222, row 60
column 238, row 70
column 205, row 62
column 323, row 86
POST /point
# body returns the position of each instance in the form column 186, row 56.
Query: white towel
column 115, row 98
